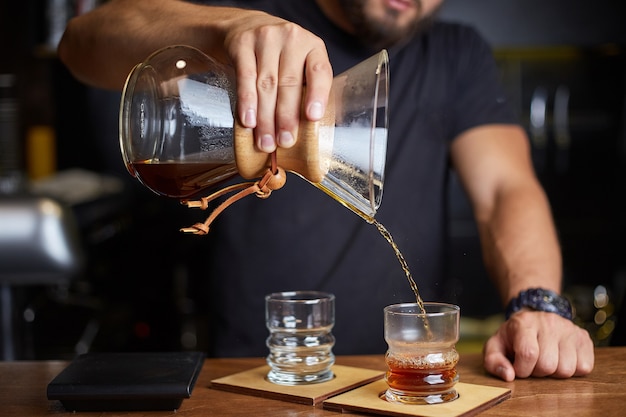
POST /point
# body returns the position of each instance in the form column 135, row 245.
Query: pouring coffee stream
column 179, row 137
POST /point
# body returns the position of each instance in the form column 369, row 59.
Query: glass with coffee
column 421, row 357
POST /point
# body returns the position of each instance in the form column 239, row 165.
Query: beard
column 382, row 32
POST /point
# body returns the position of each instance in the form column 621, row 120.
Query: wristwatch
column 541, row 300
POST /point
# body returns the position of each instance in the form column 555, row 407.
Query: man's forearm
column 520, row 245
column 101, row 47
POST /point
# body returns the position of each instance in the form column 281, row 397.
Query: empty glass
column 300, row 341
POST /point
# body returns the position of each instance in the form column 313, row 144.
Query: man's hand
column 274, row 59
column 533, row 343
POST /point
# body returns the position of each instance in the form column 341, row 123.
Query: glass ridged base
column 414, row 399
column 286, row 378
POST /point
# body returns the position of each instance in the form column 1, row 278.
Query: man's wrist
column 540, row 299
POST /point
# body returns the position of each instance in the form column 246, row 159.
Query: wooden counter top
column 602, row 393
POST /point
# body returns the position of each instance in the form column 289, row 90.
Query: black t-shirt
column 442, row 83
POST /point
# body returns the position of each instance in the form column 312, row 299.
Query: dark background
column 548, row 48
column 137, row 291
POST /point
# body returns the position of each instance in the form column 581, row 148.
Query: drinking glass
column 421, row 355
column 300, row 341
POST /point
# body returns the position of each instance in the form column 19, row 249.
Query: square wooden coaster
column 472, row 400
column 253, row 382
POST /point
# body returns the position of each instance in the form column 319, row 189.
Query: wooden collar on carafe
column 273, row 179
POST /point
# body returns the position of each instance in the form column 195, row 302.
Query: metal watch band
column 541, row 300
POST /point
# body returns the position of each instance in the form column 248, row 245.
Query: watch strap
column 540, row 299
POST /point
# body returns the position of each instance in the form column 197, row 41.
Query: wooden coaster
column 472, row 400
column 253, row 382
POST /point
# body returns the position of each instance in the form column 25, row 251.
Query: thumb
column 495, row 359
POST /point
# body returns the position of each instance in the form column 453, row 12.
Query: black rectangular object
column 127, row 381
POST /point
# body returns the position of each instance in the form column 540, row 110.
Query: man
column 445, row 108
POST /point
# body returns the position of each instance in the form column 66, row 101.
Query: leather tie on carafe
column 273, row 179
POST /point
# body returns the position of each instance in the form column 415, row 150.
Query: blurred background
column 111, row 272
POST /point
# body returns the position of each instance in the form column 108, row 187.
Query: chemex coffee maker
column 179, row 135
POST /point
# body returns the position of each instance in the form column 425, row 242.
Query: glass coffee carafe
column 179, row 135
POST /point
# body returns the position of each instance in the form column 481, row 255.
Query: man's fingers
column 586, row 354
column 578, row 358
column 270, row 81
column 319, row 79
column 247, row 100
column 289, row 100
column 495, row 359
column 539, row 344
column 268, row 64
